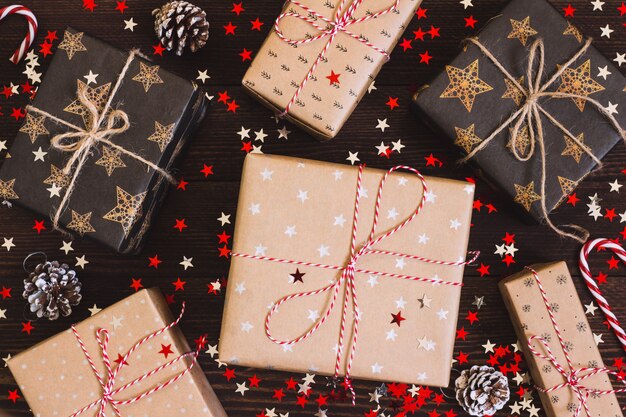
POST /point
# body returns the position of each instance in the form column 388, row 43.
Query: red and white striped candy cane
column 32, row 29
column 593, row 286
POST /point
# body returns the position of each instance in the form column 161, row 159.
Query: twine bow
column 573, row 377
column 347, row 279
column 80, row 141
column 339, row 24
column 107, row 382
column 530, row 114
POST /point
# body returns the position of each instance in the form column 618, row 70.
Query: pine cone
column 482, row 390
column 52, row 289
column 180, row 23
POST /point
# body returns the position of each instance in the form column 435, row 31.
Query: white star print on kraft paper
column 284, row 304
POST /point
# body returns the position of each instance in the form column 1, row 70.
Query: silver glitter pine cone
column 179, row 24
column 481, row 390
column 52, row 289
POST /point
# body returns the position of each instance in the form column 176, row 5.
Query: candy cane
column 593, row 286
column 32, row 29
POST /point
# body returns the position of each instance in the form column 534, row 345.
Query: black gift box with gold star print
column 115, row 195
column 472, row 98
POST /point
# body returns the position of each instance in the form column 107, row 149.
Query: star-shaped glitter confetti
column 526, row 195
column 573, row 149
column 465, row 84
column 513, row 92
column 521, row 30
column 148, row 76
column 57, row 177
column 127, row 210
column 81, row 223
column 34, row 126
column 162, row 135
column 572, row 30
column 6, row 190
column 466, row 138
column 578, row 81
column 96, row 95
column 110, row 160
column 72, row 43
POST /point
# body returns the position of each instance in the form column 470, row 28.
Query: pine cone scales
column 179, row 24
column 482, row 390
column 52, row 289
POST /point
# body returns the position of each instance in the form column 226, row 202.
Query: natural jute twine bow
column 530, row 114
column 80, row 141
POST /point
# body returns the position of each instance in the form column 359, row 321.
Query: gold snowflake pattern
column 96, row 95
column 148, row 75
column 567, row 185
column 110, row 160
column 81, row 223
column 521, row 30
column 526, row 195
column 522, row 142
column 465, row 84
column 6, row 190
column 127, row 210
column 578, row 81
column 57, row 177
column 162, row 135
column 466, row 138
column 573, row 31
column 513, row 92
column 34, row 126
column 72, row 43
column 573, row 149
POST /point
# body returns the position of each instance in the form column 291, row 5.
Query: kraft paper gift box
column 302, row 210
column 342, row 76
column 115, row 197
column 56, row 378
column 530, row 317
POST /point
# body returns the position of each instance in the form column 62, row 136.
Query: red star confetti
column 392, row 103
column 27, row 327
column 166, row 350
column 154, row 261
column 39, row 226
column 237, row 8
column 13, row 396
column 136, row 284
column 230, row 28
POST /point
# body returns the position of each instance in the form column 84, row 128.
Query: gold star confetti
column 162, row 134
column 466, row 138
column 465, row 84
column 573, row 31
column 97, row 95
column 72, row 43
column 521, row 30
column 573, row 149
column 34, row 126
column 578, row 81
column 81, row 223
column 148, row 75
column 513, row 92
column 522, row 142
column 57, row 177
column 128, row 209
column 110, row 159
column 6, row 190
column 567, row 185
column 526, row 196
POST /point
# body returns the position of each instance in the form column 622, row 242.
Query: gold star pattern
column 97, row 95
column 162, row 134
column 578, row 81
column 81, row 223
column 6, row 190
column 573, row 31
column 148, row 75
column 128, row 209
column 526, row 196
column 110, row 160
column 466, row 138
column 521, row 30
column 57, row 177
column 513, row 92
column 465, row 84
column 72, row 43
column 573, row 149
column 34, row 126
column 522, row 142
column 567, row 185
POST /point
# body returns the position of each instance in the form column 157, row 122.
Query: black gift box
column 115, row 196
column 471, row 98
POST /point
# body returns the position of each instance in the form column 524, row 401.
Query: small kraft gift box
column 319, row 60
column 129, row 359
column 327, row 255
column 106, row 128
column 533, row 104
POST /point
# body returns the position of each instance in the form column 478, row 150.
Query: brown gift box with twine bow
column 528, row 311
column 406, row 328
column 472, row 99
column 117, row 172
column 56, row 378
column 354, row 38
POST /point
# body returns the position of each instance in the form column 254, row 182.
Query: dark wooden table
column 107, row 277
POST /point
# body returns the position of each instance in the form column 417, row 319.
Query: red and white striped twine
column 340, row 23
column 32, row 29
column 107, row 382
column 348, row 274
column 574, row 377
column 583, row 264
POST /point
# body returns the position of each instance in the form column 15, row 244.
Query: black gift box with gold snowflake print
column 147, row 116
column 473, row 98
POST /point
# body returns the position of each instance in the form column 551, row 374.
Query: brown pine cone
column 179, row 24
column 481, row 390
column 52, row 289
